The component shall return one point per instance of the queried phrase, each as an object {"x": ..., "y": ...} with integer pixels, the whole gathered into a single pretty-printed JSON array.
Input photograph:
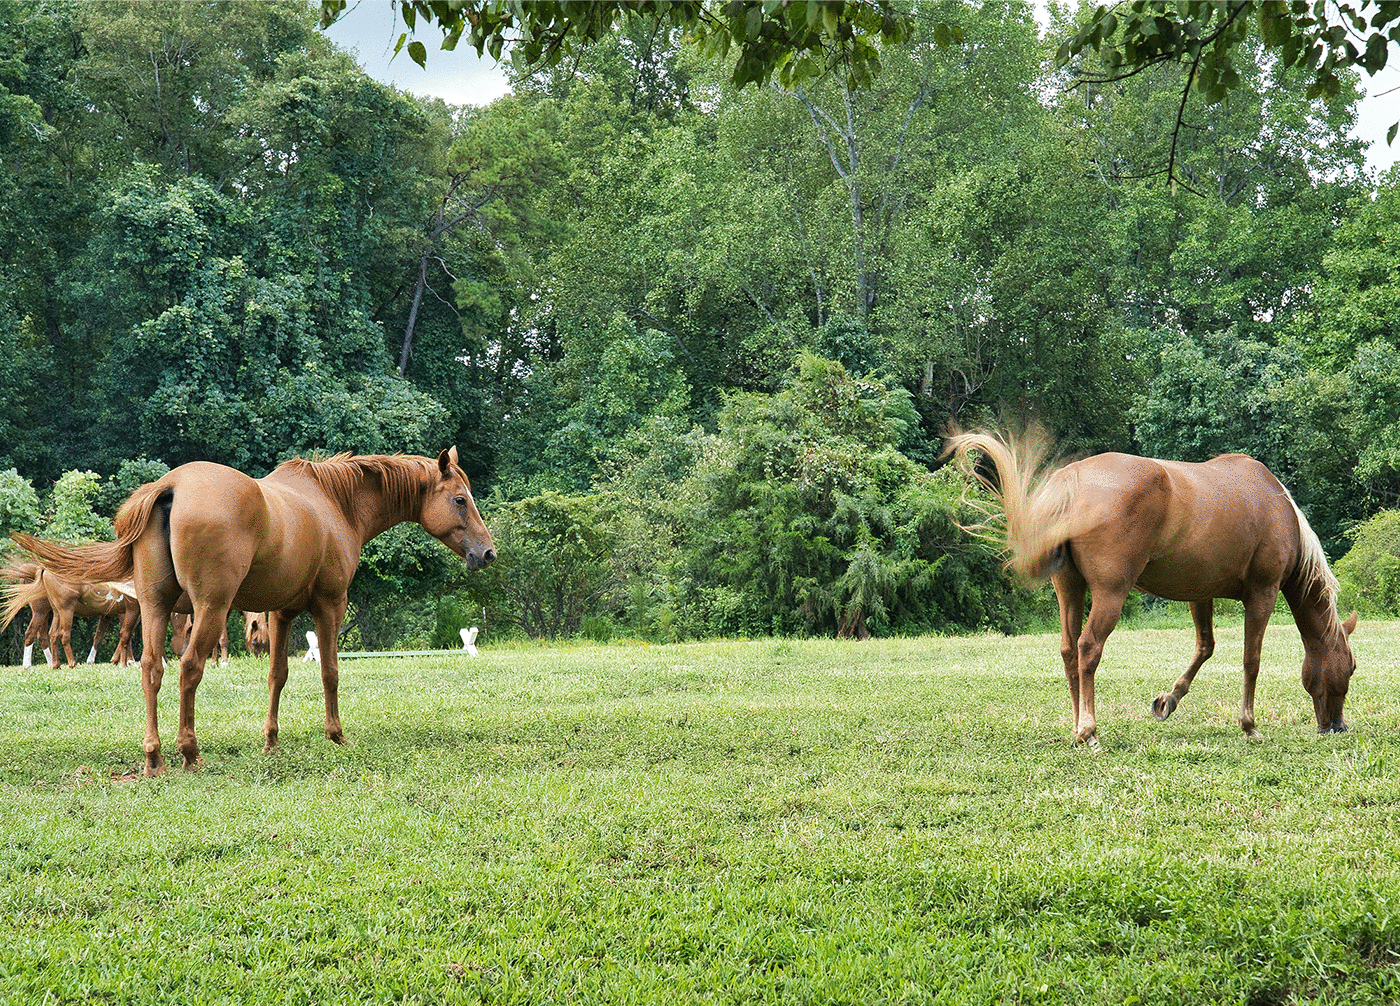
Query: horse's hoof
[
  {"x": 1253, "y": 734},
  {"x": 1163, "y": 706}
]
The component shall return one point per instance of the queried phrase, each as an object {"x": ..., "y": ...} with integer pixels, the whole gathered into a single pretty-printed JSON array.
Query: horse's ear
[
  {"x": 447, "y": 460},
  {"x": 1350, "y": 624}
]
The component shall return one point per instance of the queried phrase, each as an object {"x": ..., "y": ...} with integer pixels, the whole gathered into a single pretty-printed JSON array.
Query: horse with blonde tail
[
  {"x": 214, "y": 538},
  {"x": 1187, "y": 532}
]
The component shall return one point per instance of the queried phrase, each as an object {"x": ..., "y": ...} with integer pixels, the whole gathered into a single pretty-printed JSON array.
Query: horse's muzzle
[{"x": 480, "y": 560}]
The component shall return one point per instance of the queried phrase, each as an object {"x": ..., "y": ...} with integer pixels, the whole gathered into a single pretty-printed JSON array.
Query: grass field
[{"x": 739, "y": 822}]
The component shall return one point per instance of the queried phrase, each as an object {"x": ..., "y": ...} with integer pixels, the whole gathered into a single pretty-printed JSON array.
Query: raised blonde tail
[
  {"x": 1034, "y": 517},
  {"x": 18, "y": 596}
]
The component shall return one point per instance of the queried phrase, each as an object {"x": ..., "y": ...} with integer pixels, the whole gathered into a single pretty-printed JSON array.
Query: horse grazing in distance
[
  {"x": 1183, "y": 531},
  {"x": 255, "y": 633},
  {"x": 40, "y": 614},
  {"x": 70, "y": 599},
  {"x": 180, "y": 626},
  {"x": 286, "y": 543}
]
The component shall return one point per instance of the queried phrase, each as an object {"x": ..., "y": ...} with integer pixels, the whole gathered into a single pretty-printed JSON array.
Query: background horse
[
  {"x": 70, "y": 599},
  {"x": 180, "y": 626},
  {"x": 255, "y": 633},
  {"x": 286, "y": 543},
  {"x": 1188, "y": 532},
  {"x": 40, "y": 614}
]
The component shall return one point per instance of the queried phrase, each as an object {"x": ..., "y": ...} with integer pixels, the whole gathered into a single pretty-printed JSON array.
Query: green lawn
[{"x": 738, "y": 822}]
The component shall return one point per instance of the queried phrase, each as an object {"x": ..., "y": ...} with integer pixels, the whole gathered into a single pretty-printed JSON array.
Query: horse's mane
[
  {"x": 1312, "y": 560},
  {"x": 402, "y": 477}
]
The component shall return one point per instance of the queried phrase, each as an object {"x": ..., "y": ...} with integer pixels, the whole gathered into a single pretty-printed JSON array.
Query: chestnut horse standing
[
  {"x": 1187, "y": 532},
  {"x": 286, "y": 543}
]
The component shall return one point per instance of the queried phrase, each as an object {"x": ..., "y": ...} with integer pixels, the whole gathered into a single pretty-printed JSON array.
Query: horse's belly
[{"x": 1194, "y": 580}]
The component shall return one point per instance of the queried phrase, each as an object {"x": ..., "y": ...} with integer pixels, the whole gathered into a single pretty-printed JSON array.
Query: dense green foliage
[
  {"x": 696, "y": 342},
  {"x": 766, "y": 822}
]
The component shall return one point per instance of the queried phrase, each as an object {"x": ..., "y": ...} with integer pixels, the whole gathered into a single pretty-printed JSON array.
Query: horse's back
[
  {"x": 265, "y": 539},
  {"x": 1195, "y": 529}
]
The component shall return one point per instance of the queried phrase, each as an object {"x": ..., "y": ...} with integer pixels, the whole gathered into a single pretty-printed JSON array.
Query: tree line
[{"x": 697, "y": 343}]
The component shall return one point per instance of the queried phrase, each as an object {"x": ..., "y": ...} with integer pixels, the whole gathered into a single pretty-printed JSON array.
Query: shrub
[{"x": 1370, "y": 573}]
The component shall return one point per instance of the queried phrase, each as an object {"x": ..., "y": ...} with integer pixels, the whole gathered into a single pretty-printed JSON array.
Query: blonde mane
[{"x": 1312, "y": 560}]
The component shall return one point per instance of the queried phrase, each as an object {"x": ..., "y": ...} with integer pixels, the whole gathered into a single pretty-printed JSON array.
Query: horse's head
[
  {"x": 1327, "y": 670},
  {"x": 449, "y": 514},
  {"x": 255, "y": 635}
]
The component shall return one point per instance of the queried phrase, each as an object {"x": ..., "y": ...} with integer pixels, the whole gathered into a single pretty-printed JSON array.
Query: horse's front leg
[
  {"x": 1257, "y": 609},
  {"x": 279, "y": 630},
  {"x": 328, "y": 618},
  {"x": 1202, "y": 615}
]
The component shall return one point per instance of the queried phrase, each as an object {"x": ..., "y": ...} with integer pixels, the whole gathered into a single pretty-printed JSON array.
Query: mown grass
[{"x": 738, "y": 822}]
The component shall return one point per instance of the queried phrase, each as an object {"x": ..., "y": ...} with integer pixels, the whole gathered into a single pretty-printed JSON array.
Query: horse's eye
[{"x": 460, "y": 500}]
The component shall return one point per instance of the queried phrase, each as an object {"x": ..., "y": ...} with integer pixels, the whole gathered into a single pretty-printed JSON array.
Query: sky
[{"x": 369, "y": 29}]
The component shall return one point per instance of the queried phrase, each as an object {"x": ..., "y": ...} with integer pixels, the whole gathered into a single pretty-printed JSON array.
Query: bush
[{"x": 1370, "y": 573}]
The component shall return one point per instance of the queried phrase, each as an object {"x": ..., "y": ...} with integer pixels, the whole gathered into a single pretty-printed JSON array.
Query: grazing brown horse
[
  {"x": 70, "y": 599},
  {"x": 255, "y": 633},
  {"x": 40, "y": 614},
  {"x": 1187, "y": 532},
  {"x": 286, "y": 543},
  {"x": 180, "y": 626}
]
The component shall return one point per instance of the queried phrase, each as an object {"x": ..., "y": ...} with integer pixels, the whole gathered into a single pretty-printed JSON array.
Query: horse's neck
[
  {"x": 375, "y": 509},
  {"x": 1314, "y": 612}
]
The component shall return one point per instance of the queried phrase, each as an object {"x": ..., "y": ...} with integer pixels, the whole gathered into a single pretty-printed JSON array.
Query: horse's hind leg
[
  {"x": 154, "y": 621},
  {"x": 204, "y": 637},
  {"x": 62, "y": 632},
  {"x": 1202, "y": 614},
  {"x": 154, "y": 577},
  {"x": 1069, "y": 592},
  {"x": 97, "y": 635},
  {"x": 1103, "y": 618}
]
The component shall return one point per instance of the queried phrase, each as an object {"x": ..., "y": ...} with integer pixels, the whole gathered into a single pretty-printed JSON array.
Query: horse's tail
[
  {"x": 1034, "y": 518},
  {"x": 17, "y": 571},
  {"x": 104, "y": 560},
  {"x": 19, "y": 596}
]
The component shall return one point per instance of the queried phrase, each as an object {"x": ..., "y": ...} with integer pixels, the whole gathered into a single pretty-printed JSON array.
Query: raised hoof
[{"x": 1163, "y": 706}]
